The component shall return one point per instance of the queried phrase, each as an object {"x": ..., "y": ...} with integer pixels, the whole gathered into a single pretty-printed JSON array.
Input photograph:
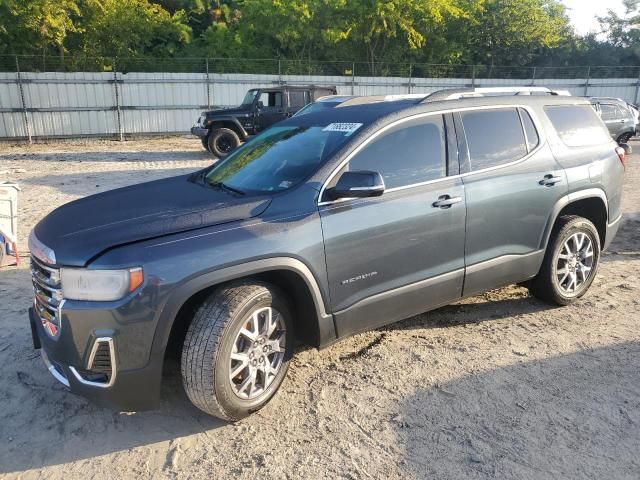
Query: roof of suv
[{"x": 370, "y": 112}]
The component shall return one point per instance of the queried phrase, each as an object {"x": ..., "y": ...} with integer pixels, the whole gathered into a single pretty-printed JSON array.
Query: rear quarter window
[{"x": 577, "y": 125}]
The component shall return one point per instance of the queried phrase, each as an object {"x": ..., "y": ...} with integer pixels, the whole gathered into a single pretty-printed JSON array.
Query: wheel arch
[
  {"x": 590, "y": 203},
  {"x": 314, "y": 326},
  {"x": 229, "y": 122}
]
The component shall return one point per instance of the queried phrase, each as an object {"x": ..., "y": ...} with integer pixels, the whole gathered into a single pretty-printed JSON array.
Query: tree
[
  {"x": 387, "y": 31},
  {"x": 623, "y": 33},
  {"x": 515, "y": 32},
  {"x": 131, "y": 28},
  {"x": 37, "y": 26}
]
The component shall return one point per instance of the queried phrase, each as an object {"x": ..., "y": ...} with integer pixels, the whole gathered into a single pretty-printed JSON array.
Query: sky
[{"x": 583, "y": 12}]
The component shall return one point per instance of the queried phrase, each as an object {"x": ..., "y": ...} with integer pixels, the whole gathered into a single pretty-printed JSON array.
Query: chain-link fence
[{"x": 44, "y": 97}]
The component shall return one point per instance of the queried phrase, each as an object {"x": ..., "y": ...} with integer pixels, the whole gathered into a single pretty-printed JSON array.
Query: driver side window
[
  {"x": 409, "y": 153},
  {"x": 271, "y": 99}
]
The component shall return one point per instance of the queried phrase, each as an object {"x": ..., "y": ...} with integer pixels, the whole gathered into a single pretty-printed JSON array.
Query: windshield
[
  {"x": 278, "y": 158},
  {"x": 249, "y": 96}
]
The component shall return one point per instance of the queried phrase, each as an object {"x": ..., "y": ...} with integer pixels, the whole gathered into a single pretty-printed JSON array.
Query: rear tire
[
  {"x": 570, "y": 263},
  {"x": 222, "y": 141},
  {"x": 624, "y": 138},
  {"x": 228, "y": 345}
]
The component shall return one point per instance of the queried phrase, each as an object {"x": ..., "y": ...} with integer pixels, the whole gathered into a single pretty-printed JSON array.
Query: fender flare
[
  {"x": 567, "y": 200},
  {"x": 185, "y": 290},
  {"x": 228, "y": 118}
]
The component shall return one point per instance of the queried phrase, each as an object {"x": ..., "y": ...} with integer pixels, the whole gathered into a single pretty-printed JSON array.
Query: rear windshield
[
  {"x": 280, "y": 157},
  {"x": 577, "y": 125}
]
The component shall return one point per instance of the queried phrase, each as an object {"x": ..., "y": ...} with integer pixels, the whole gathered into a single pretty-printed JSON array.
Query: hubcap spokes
[
  {"x": 257, "y": 353},
  {"x": 575, "y": 262}
]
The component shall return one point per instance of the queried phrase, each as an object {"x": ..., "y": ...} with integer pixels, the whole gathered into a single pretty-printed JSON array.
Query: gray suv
[
  {"x": 618, "y": 116},
  {"x": 323, "y": 226}
]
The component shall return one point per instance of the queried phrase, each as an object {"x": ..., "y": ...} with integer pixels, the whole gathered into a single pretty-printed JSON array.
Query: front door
[
  {"x": 400, "y": 254},
  {"x": 512, "y": 182},
  {"x": 271, "y": 108}
]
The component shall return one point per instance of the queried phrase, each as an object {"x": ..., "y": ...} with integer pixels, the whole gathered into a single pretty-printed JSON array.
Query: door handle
[
  {"x": 550, "y": 180},
  {"x": 446, "y": 201}
]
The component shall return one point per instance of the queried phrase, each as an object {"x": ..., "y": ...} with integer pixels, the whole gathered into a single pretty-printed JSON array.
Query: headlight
[{"x": 99, "y": 285}]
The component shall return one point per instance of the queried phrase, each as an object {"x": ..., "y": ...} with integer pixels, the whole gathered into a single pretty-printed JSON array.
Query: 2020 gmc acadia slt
[{"x": 320, "y": 227}]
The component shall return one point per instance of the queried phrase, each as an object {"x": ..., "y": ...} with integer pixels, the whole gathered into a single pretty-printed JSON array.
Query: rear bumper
[
  {"x": 612, "y": 229},
  {"x": 199, "y": 131},
  {"x": 130, "y": 390}
]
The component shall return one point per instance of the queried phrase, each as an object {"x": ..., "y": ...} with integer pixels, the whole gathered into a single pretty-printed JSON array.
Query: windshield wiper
[{"x": 223, "y": 186}]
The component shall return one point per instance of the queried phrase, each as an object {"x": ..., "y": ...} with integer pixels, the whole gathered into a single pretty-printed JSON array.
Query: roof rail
[
  {"x": 362, "y": 99},
  {"x": 458, "y": 93}
]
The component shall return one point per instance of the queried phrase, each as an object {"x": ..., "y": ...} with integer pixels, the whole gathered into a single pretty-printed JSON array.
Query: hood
[
  {"x": 82, "y": 229},
  {"x": 240, "y": 110}
]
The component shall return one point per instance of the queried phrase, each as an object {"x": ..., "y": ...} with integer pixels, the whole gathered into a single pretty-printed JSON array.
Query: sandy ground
[{"x": 496, "y": 386}]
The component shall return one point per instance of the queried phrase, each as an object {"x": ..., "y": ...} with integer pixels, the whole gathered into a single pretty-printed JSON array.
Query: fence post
[
  {"x": 353, "y": 78},
  {"x": 637, "y": 88},
  {"x": 206, "y": 60},
  {"x": 25, "y": 116},
  {"x": 473, "y": 76},
  {"x": 117, "y": 93},
  {"x": 533, "y": 77},
  {"x": 279, "y": 72},
  {"x": 586, "y": 82},
  {"x": 410, "y": 77}
]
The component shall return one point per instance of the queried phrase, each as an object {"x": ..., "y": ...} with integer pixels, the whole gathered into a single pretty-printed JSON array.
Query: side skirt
[
  {"x": 399, "y": 303},
  {"x": 500, "y": 271}
]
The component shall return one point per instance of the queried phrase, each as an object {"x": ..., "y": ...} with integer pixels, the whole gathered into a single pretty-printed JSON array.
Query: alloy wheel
[
  {"x": 257, "y": 353},
  {"x": 574, "y": 263}
]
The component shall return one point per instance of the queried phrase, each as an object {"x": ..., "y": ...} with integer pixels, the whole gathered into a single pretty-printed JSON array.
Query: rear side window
[
  {"x": 577, "y": 125},
  {"x": 412, "y": 152},
  {"x": 494, "y": 137},
  {"x": 529, "y": 129}
]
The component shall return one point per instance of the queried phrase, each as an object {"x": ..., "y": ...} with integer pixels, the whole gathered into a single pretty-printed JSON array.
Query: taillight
[{"x": 621, "y": 152}]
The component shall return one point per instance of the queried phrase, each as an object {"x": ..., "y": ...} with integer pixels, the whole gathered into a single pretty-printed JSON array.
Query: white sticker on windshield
[{"x": 346, "y": 128}]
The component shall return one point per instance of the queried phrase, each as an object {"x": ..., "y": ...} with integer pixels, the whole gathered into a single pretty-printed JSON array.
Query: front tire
[
  {"x": 570, "y": 263},
  {"x": 237, "y": 350},
  {"x": 222, "y": 141}
]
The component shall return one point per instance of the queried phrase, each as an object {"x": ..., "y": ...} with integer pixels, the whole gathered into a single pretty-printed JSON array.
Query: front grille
[{"x": 48, "y": 295}]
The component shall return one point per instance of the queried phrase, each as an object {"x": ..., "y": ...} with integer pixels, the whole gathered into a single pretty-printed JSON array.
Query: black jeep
[{"x": 222, "y": 130}]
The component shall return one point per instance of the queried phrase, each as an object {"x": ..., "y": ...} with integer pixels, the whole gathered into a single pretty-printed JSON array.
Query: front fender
[
  {"x": 228, "y": 119},
  {"x": 186, "y": 290}
]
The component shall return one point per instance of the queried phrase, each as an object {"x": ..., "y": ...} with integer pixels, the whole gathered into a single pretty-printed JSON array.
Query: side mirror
[
  {"x": 260, "y": 105},
  {"x": 359, "y": 184}
]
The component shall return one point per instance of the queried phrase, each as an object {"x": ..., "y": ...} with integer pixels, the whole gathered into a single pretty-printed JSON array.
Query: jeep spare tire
[{"x": 222, "y": 141}]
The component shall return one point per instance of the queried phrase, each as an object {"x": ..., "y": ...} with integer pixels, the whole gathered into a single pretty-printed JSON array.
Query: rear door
[
  {"x": 512, "y": 183},
  {"x": 396, "y": 255}
]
